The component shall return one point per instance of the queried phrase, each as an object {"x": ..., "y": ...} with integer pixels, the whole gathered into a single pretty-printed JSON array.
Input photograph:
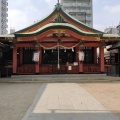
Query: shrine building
[{"x": 57, "y": 44}]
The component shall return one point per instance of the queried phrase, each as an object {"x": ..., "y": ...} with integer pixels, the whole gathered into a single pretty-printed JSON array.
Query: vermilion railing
[
  {"x": 91, "y": 69},
  {"x": 26, "y": 69}
]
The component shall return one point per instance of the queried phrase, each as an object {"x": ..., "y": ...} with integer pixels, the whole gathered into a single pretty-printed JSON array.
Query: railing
[
  {"x": 52, "y": 69},
  {"x": 91, "y": 69},
  {"x": 26, "y": 69}
]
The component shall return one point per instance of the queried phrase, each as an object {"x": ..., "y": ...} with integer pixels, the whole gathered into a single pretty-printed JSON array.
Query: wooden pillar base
[{"x": 80, "y": 67}]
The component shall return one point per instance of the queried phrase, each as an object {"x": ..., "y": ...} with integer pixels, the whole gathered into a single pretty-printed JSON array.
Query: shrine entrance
[
  {"x": 50, "y": 58},
  {"x": 60, "y": 45}
]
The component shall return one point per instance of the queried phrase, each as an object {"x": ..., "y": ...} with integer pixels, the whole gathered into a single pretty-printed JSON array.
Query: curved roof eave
[
  {"x": 80, "y": 23},
  {"x": 38, "y": 22},
  {"x": 59, "y": 8},
  {"x": 58, "y": 25}
]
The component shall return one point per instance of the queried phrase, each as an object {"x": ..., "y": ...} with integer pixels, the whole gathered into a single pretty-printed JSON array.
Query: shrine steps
[{"x": 61, "y": 78}]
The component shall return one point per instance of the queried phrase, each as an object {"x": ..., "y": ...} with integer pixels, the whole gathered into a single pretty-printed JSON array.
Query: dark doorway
[{"x": 51, "y": 56}]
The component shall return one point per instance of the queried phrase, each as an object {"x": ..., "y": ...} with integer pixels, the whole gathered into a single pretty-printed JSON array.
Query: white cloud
[
  {"x": 23, "y": 13},
  {"x": 100, "y": 27},
  {"x": 48, "y": 1},
  {"x": 113, "y": 9},
  {"x": 17, "y": 19}
]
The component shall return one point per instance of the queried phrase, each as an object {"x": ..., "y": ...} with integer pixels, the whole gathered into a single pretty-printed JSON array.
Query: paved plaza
[{"x": 66, "y": 101}]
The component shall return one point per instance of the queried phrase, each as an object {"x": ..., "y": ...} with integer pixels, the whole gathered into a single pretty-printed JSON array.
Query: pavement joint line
[{"x": 39, "y": 93}]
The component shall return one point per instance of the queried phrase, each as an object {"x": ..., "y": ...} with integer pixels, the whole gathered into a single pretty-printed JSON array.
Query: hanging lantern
[{"x": 81, "y": 55}]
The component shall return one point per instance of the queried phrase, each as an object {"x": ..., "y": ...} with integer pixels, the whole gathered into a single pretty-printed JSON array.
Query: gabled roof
[
  {"x": 60, "y": 26},
  {"x": 58, "y": 8},
  {"x": 58, "y": 19}
]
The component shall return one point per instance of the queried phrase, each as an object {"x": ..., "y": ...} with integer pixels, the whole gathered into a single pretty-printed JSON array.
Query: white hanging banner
[
  {"x": 69, "y": 67},
  {"x": 81, "y": 55},
  {"x": 36, "y": 56}
]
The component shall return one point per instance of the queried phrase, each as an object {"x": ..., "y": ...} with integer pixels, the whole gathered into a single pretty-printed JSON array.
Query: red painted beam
[
  {"x": 92, "y": 44},
  {"x": 26, "y": 38},
  {"x": 56, "y": 39},
  {"x": 40, "y": 36},
  {"x": 24, "y": 45},
  {"x": 83, "y": 38}
]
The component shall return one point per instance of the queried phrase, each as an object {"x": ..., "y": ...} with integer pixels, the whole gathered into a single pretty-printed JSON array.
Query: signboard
[
  {"x": 81, "y": 55},
  {"x": 75, "y": 63},
  {"x": 36, "y": 56},
  {"x": 69, "y": 67}
]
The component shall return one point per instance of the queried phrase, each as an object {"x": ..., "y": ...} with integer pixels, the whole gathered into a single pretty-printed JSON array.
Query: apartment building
[
  {"x": 3, "y": 16},
  {"x": 80, "y": 9}
]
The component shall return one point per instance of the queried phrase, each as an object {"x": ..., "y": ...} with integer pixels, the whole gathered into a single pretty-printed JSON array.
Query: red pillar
[
  {"x": 15, "y": 60},
  {"x": 101, "y": 59},
  {"x": 95, "y": 55},
  {"x": 21, "y": 56},
  {"x": 37, "y": 67},
  {"x": 76, "y": 58},
  {"x": 40, "y": 49},
  {"x": 80, "y": 64}
]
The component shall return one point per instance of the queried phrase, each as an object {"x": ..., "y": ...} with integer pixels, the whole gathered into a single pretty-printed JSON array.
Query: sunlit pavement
[{"x": 66, "y": 101}]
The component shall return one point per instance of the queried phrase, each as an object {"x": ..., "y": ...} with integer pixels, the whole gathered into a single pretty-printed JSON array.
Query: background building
[
  {"x": 111, "y": 30},
  {"x": 3, "y": 16},
  {"x": 80, "y": 9},
  {"x": 113, "y": 52},
  {"x": 118, "y": 27},
  {"x": 12, "y": 30}
]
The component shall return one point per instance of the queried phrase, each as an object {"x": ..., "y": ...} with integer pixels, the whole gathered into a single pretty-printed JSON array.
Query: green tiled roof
[{"x": 60, "y": 26}]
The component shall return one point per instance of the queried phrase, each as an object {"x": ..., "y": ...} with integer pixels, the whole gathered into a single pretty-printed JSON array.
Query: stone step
[
  {"x": 66, "y": 78},
  {"x": 61, "y": 79},
  {"x": 58, "y": 76}
]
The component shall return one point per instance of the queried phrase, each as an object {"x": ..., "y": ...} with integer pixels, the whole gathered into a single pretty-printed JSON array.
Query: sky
[{"x": 22, "y": 13}]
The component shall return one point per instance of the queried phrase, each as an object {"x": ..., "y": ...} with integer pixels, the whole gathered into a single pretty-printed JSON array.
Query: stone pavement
[{"x": 66, "y": 101}]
